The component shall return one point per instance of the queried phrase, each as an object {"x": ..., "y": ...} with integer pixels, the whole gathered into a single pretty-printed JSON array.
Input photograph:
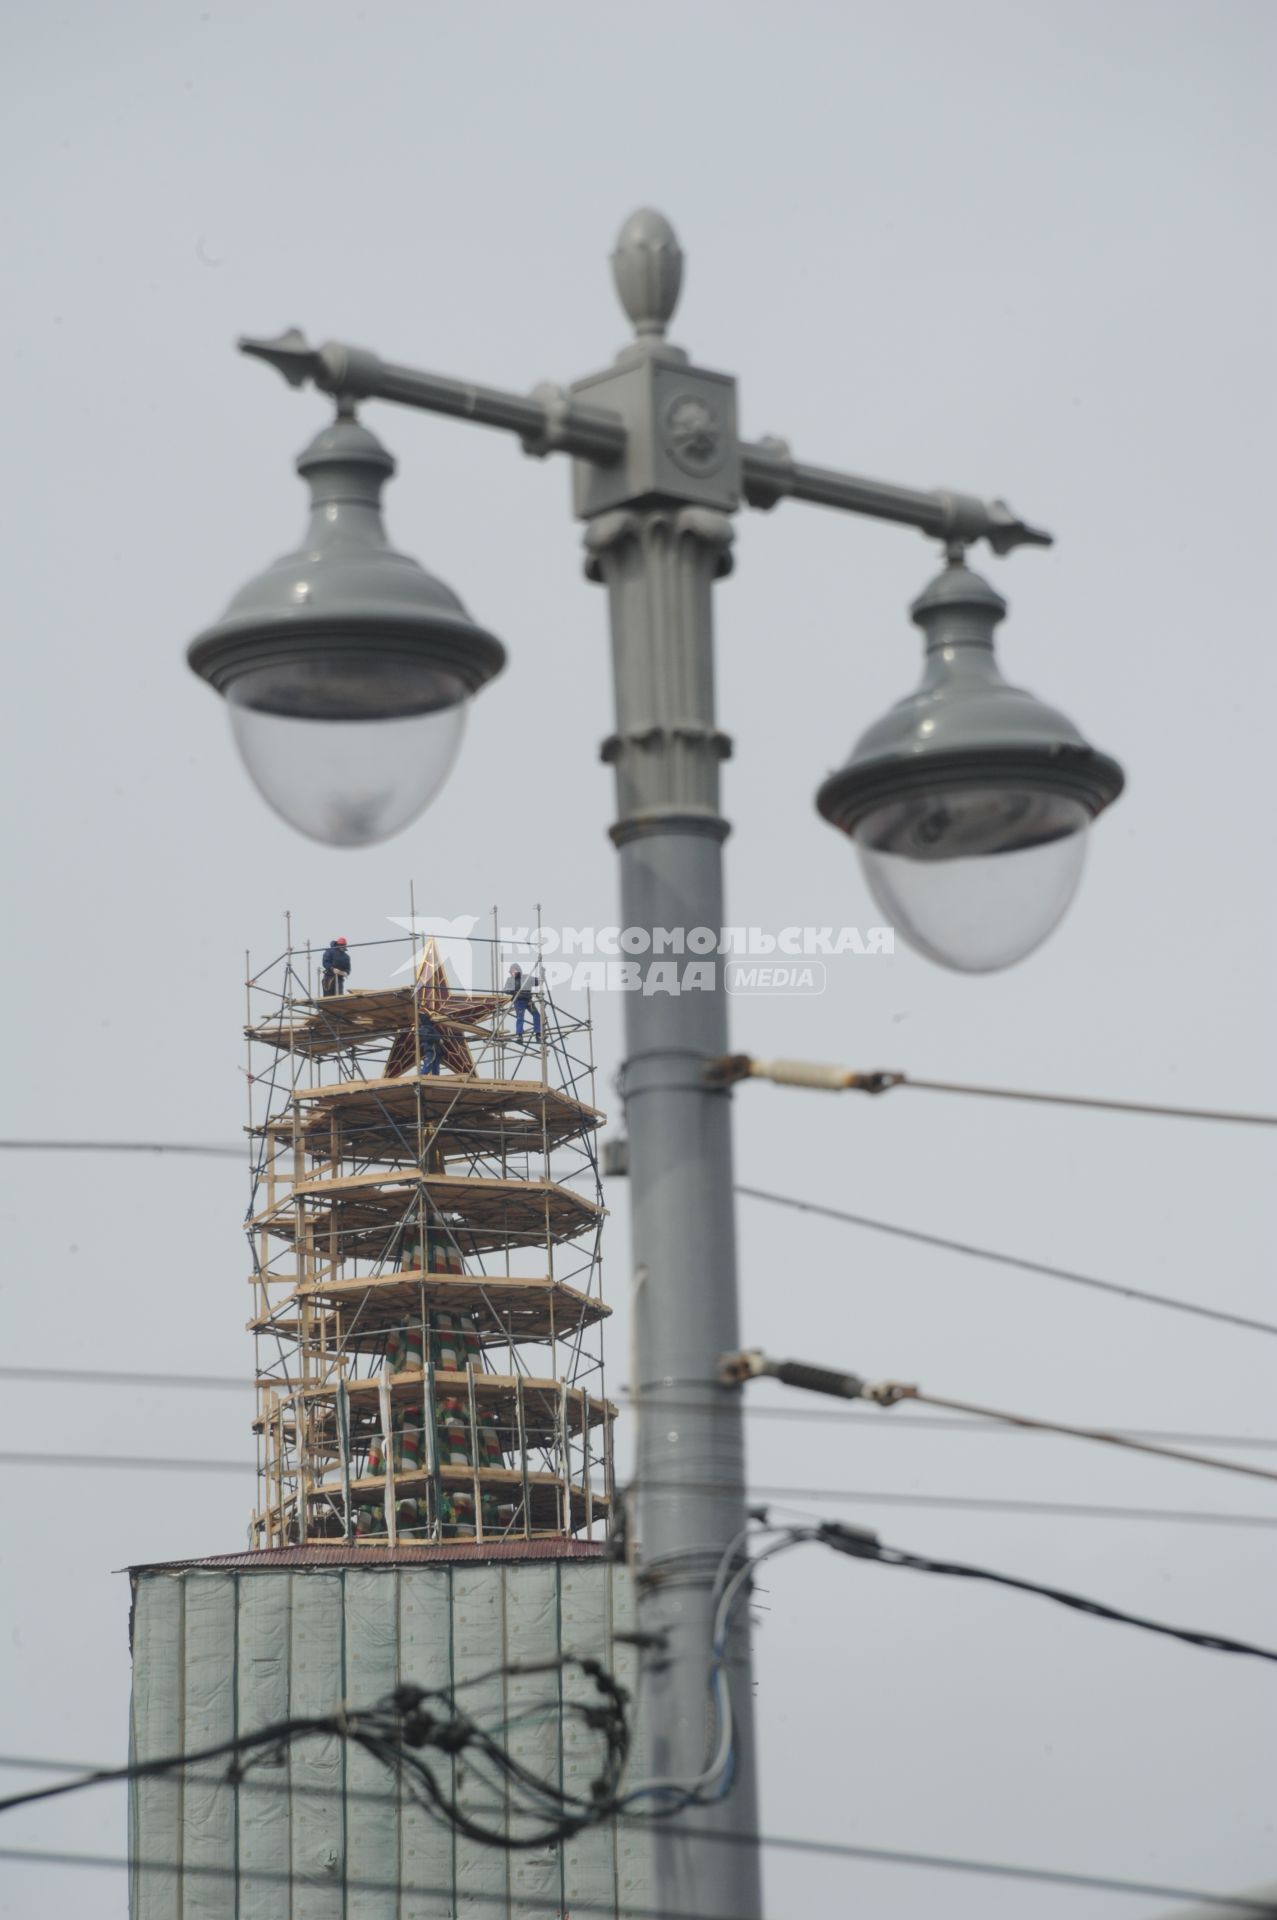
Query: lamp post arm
[
  {"x": 771, "y": 474},
  {"x": 547, "y": 421},
  {"x": 551, "y": 420}
]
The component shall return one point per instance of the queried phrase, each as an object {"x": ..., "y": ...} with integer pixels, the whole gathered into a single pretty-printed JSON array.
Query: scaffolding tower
[{"x": 425, "y": 1259}]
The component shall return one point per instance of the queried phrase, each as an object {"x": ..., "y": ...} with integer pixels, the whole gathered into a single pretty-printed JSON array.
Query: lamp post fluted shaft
[{"x": 659, "y": 566}]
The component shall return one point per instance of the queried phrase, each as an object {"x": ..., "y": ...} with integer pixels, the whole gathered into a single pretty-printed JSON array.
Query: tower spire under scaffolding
[{"x": 425, "y": 1240}]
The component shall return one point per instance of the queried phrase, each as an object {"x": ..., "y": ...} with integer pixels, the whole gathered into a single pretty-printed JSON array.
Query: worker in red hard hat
[{"x": 336, "y": 965}]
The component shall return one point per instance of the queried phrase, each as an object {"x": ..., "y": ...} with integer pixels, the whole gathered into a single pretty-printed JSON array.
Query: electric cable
[
  {"x": 739, "y": 1581},
  {"x": 1161, "y": 1112},
  {"x": 1039, "y": 1267},
  {"x": 126, "y": 1377},
  {"x": 551, "y": 1904},
  {"x": 731, "y": 1582},
  {"x": 815, "y": 1075},
  {"x": 860, "y": 1544},
  {"x": 121, "y": 1146},
  {"x": 939, "y": 1502},
  {"x": 1100, "y": 1435},
  {"x": 968, "y": 1503},
  {"x": 866, "y": 1546},
  {"x": 397, "y": 1729},
  {"x": 1259, "y": 1909},
  {"x": 237, "y": 1383},
  {"x": 931, "y": 1423},
  {"x": 127, "y": 1462},
  {"x": 735, "y": 1369},
  {"x": 781, "y": 1842},
  {"x": 944, "y": 1863},
  {"x": 715, "y": 1779}
]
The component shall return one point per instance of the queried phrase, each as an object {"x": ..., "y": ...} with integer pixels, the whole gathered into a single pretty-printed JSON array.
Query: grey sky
[{"x": 1010, "y": 248}]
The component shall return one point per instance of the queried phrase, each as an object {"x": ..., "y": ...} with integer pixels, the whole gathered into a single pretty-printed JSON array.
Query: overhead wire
[
  {"x": 883, "y": 1555},
  {"x": 734, "y": 1579},
  {"x": 736, "y": 1369},
  {"x": 130, "y": 1377},
  {"x": 125, "y": 1462},
  {"x": 387, "y": 1734},
  {"x": 973, "y": 1503},
  {"x": 1102, "y": 1436},
  {"x": 859, "y": 1543},
  {"x": 1042, "y": 1268},
  {"x": 781, "y": 1842},
  {"x": 1226, "y": 1116},
  {"x": 820, "y": 1076},
  {"x": 866, "y": 1546},
  {"x": 244, "y": 1384},
  {"x": 1259, "y": 1908},
  {"x": 932, "y": 1423},
  {"x": 398, "y": 1731},
  {"x": 939, "y": 1502},
  {"x": 951, "y": 1245},
  {"x": 121, "y": 1146}
]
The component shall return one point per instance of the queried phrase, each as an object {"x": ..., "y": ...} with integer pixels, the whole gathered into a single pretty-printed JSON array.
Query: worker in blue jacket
[
  {"x": 336, "y": 965},
  {"x": 521, "y": 988},
  {"x": 430, "y": 1040}
]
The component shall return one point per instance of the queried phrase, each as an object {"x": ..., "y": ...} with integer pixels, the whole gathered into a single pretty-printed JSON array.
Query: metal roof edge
[{"x": 409, "y": 1554}]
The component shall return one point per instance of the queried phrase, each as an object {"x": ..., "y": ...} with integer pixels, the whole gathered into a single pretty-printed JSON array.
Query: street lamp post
[{"x": 966, "y": 775}]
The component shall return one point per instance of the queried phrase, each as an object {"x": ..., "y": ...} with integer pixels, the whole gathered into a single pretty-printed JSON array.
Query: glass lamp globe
[
  {"x": 969, "y": 801},
  {"x": 361, "y": 760},
  {"x": 347, "y": 668}
]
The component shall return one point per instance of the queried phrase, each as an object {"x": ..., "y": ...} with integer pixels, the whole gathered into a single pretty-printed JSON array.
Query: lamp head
[
  {"x": 345, "y": 665},
  {"x": 969, "y": 800}
]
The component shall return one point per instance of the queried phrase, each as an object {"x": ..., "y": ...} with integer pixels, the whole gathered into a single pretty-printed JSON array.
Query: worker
[
  {"x": 430, "y": 1041},
  {"x": 336, "y": 965},
  {"x": 520, "y": 989}
]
